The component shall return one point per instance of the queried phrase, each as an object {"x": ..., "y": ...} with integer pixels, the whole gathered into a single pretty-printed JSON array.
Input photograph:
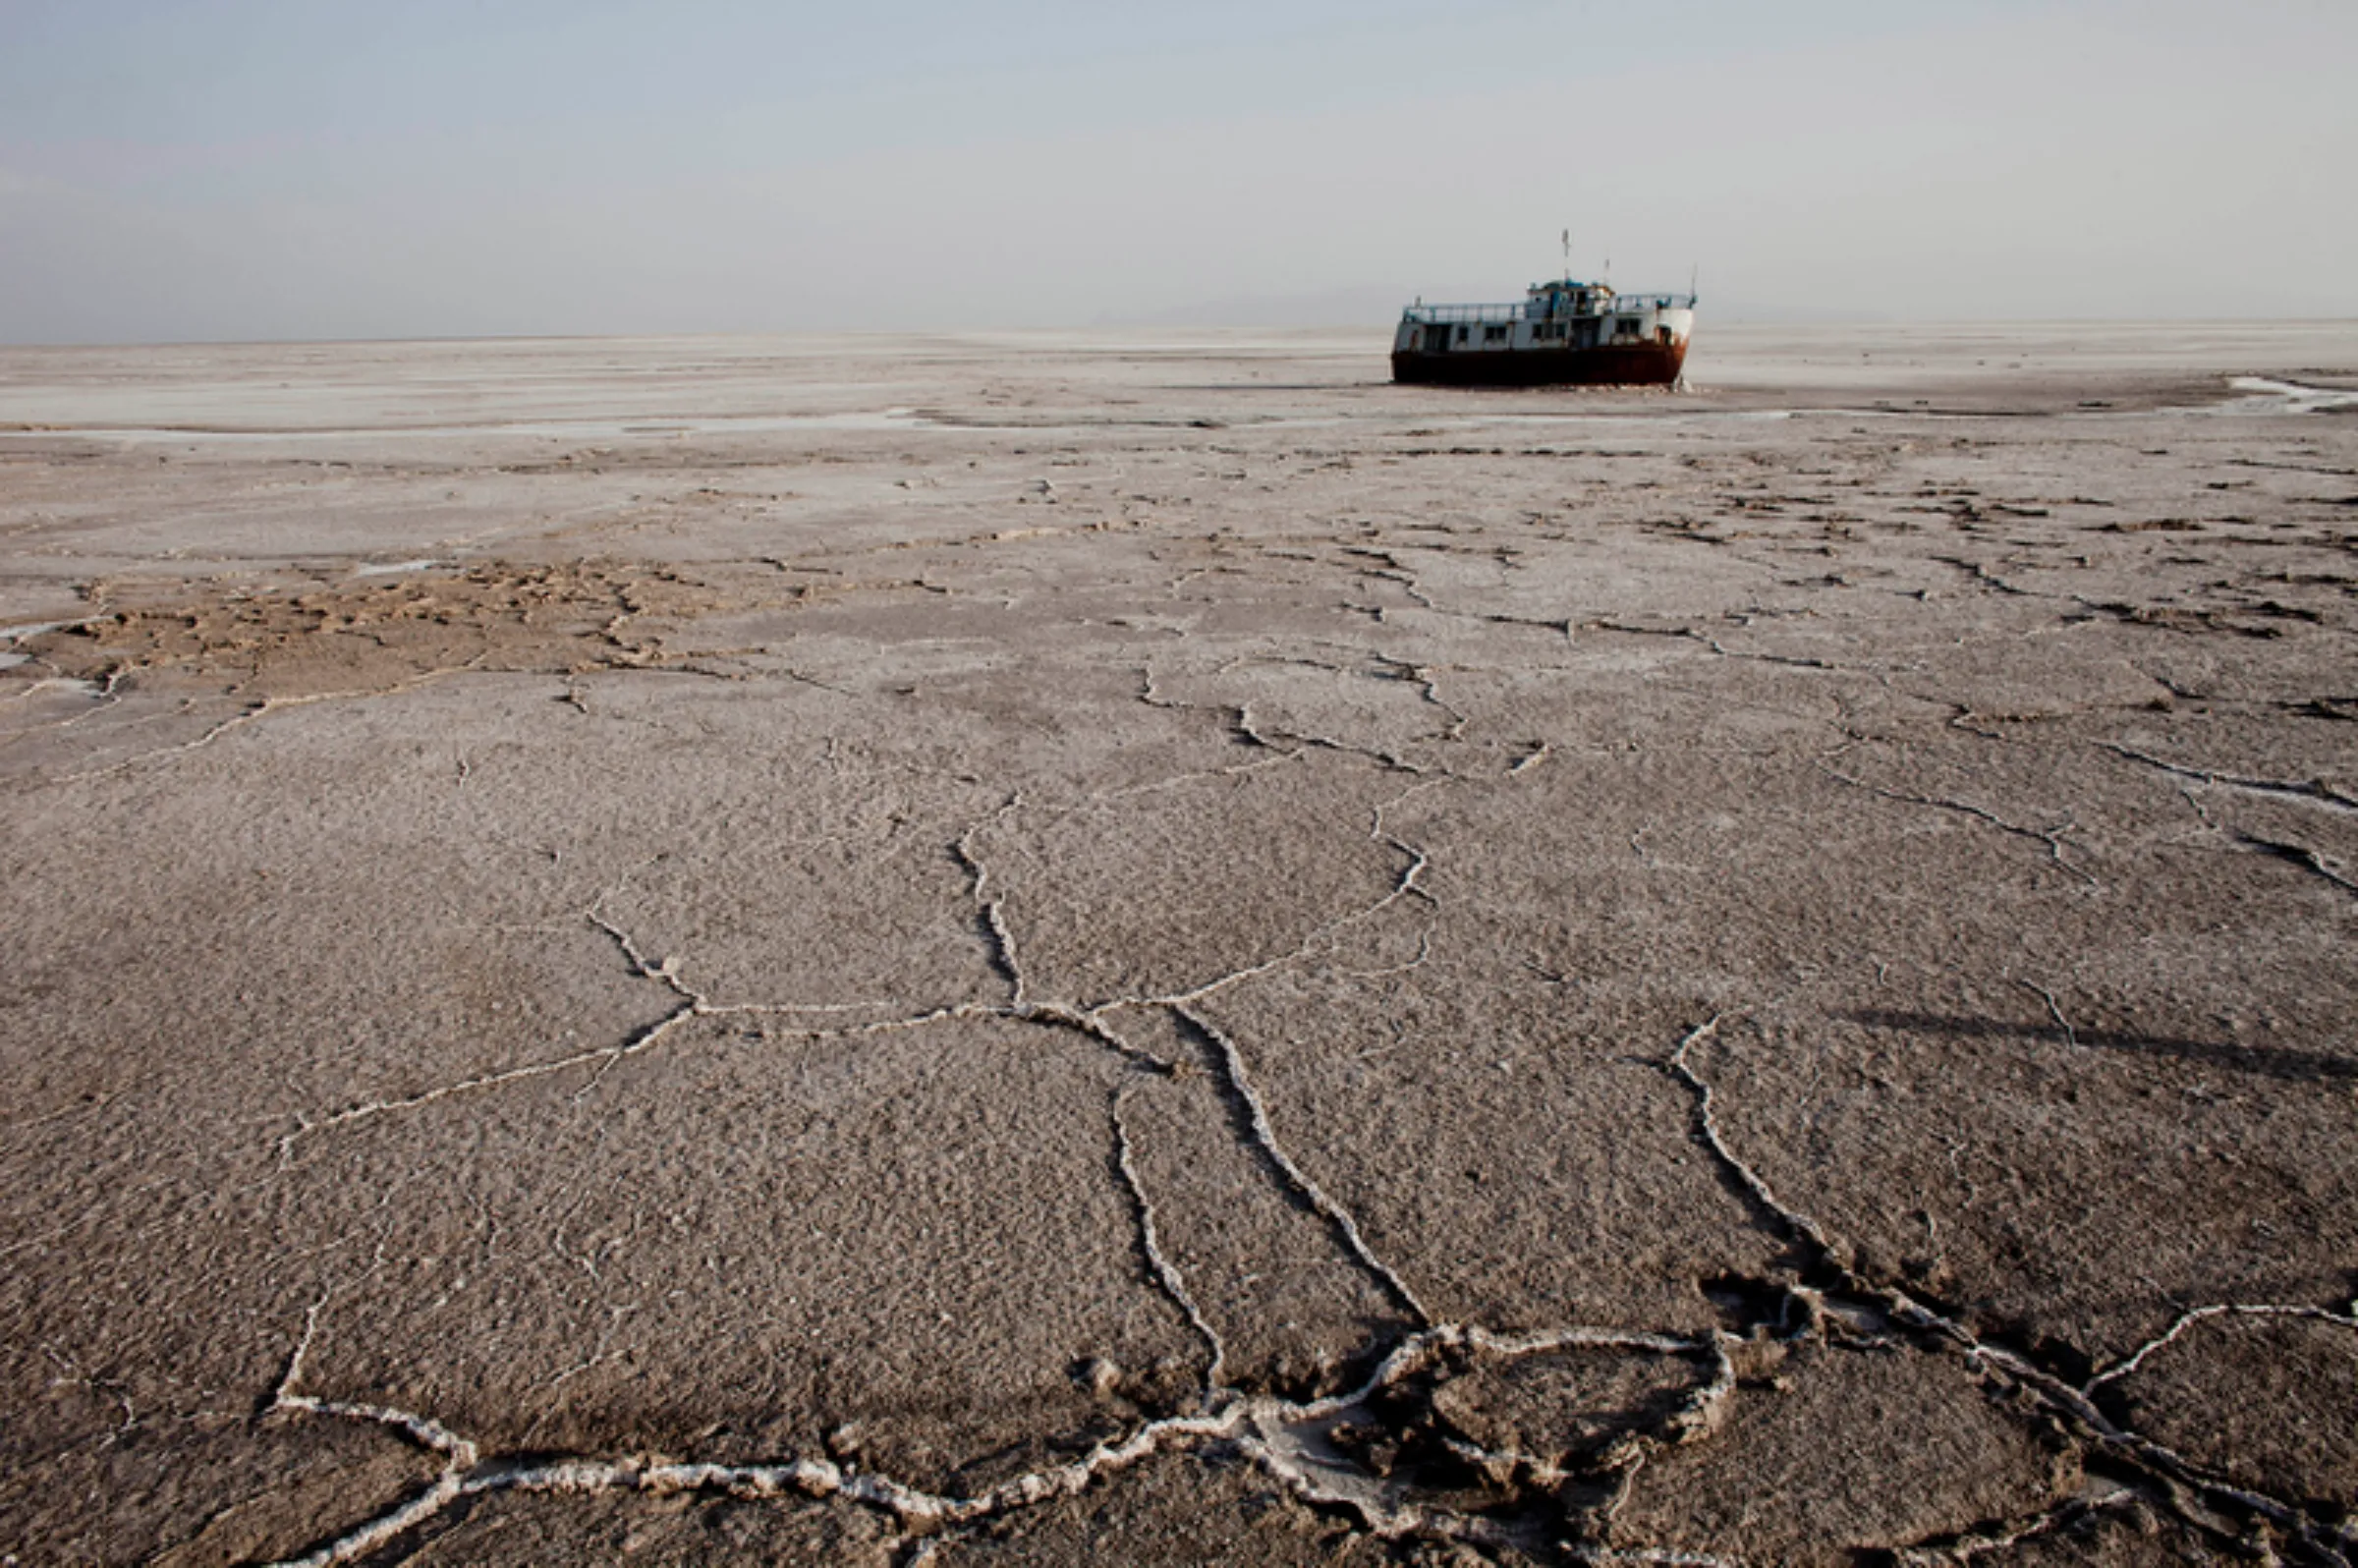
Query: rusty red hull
[{"x": 1613, "y": 365}]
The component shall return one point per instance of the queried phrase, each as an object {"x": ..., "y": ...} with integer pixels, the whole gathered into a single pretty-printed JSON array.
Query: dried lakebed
[{"x": 1157, "y": 951}]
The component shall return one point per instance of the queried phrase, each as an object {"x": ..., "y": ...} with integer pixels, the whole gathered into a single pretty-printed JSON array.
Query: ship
[{"x": 1564, "y": 333}]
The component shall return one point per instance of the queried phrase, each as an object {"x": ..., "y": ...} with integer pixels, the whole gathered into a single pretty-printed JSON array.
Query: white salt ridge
[
  {"x": 18, "y": 634},
  {"x": 2263, "y": 395},
  {"x": 568, "y": 430}
]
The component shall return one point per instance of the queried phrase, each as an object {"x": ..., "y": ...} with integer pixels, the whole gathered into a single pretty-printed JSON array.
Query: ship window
[
  {"x": 1461, "y": 334},
  {"x": 1493, "y": 334}
]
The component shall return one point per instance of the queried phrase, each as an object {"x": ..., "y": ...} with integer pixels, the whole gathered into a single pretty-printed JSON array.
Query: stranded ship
[{"x": 1567, "y": 333}]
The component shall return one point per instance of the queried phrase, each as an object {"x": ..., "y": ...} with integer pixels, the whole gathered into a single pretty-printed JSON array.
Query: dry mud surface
[{"x": 1106, "y": 949}]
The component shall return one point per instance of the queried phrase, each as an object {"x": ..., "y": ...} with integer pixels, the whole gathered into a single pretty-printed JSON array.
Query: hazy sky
[{"x": 303, "y": 168}]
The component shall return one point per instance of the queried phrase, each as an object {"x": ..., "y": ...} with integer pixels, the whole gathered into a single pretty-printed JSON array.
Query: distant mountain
[
  {"x": 1361, "y": 305},
  {"x": 1379, "y": 306},
  {"x": 1734, "y": 311}
]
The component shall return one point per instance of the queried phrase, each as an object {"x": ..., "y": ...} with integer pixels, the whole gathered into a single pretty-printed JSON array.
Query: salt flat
[{"x": 1147, "y": 948}]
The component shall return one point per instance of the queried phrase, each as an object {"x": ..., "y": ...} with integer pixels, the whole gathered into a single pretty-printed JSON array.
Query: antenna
[
  {"x": 1567, "y": 255},
  {"x": 1694, "y": 271}
]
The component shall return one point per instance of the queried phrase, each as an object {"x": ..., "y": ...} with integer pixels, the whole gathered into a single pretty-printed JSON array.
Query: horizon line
[{"x": 1116, "y": 329}]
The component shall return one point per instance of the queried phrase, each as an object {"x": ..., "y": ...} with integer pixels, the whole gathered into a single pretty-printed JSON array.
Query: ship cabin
[{"x": 1561, "y": 314}]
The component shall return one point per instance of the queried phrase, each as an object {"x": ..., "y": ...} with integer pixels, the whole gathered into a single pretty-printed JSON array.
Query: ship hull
[{"x": 1608, "y": 365}]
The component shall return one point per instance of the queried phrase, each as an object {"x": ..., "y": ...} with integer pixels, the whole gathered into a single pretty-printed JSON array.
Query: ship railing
[
  {"x": 1495, "y": 315},
  {"x": 1628, "y": 299},
  {"x": 1450, "y": 314}
]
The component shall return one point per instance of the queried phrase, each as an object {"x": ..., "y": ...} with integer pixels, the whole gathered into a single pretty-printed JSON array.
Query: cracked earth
[{"x": 1158, "y": 951}]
